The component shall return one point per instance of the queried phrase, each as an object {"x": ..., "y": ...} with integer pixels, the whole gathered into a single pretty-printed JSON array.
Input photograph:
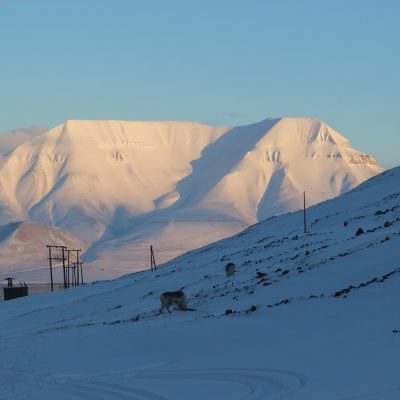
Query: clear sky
[{"x": 225, "y": 62}]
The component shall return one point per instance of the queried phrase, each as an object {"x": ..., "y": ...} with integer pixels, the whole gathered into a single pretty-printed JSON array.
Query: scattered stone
[
  {"x": 228, "y": 311},
  {"x": 381, "y": 212},
  {"x": 285, "y": 272},
  {"x": 359, "y": 232}
]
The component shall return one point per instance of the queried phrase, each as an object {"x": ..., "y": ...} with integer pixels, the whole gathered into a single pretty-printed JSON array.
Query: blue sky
[{"x": 225, "y": 62}]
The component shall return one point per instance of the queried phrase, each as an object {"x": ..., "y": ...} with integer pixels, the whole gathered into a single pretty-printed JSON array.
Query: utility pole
[
  {"x": 76, "y": 265},
  {"x": 68, "y": 268},
  {"x": 63, "y": 248},
  {"x": 51, "y": 269},
  {"x": 304, "y": 212},
  {"x": 80, "y": 264},
  {"x": 57, "y": 257},
  {"x": 73, "y": 277},
  {"x": 153, "y": 265}
]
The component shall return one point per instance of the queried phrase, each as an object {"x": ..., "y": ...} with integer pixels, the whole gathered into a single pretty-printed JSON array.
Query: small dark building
[{"x": 13, "y": 292}]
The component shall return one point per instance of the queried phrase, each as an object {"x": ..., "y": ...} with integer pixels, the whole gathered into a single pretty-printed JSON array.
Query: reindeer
[
  {"x": 169, "y": 298},
  {"x": 230, "y": 269}
]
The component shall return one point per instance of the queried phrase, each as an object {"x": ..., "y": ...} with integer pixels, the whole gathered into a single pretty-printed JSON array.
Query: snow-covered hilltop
[{"x": 119, "y": 186}]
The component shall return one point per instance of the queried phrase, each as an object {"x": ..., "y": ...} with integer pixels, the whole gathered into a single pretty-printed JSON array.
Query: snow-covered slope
[
  {"x": 9, "y": 140},
  {"x": 23, "y": 249},
  {"x": 79, "y": 174},
  {"x": 120, "y": 186},
  {"x": 306, "y": 317}
]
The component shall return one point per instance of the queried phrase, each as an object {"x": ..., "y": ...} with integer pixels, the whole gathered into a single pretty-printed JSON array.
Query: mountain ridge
[{"x": 120, "y": 184}]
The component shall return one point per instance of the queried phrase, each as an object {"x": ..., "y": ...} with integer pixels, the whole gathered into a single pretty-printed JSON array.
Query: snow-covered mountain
[
  {"x": 9, "y": 140},
  {"x": 23, "y": 248},
  {"x": 120, "y": 186},
  {"x": 306, "y": 317}
]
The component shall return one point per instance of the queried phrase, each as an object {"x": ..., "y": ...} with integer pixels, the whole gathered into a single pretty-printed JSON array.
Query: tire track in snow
[
  {"x": 22, "y": 385},
  {"x": 260, "y": 384},
  {"x": 118, "y": 391},
  {"x": 108, "y": 391},
  {"x": 373, "y": 395}
]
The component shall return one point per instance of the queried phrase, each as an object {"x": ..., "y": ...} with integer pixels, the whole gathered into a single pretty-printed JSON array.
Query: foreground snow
[{"x": 321, "y": 324}]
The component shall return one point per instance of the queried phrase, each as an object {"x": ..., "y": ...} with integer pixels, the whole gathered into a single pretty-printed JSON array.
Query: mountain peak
[
  {"x": 306, "y": 130},
  {"x": 119, "y": 184}
]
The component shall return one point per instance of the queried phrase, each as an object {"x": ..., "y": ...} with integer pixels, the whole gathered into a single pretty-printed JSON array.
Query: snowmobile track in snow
[{"x": 258, "y": 384}]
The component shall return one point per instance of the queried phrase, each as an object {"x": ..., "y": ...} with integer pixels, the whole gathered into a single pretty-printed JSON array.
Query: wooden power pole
[
  {"x": 153, "y": 265},
  {"x": 61, "y": 256},
  {"x": 51, "y": 269}
]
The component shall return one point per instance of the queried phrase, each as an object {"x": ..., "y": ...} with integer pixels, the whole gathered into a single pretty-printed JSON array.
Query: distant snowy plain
[{"x": 306, "y": 317}]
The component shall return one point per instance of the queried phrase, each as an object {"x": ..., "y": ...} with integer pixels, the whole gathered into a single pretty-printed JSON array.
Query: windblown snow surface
[
  {"x": 306, "y": 316},
  {"x": 118, "y": 187}
]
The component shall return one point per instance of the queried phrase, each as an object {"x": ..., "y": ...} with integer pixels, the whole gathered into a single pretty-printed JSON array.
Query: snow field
[{"x": 305, "y": 317}]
